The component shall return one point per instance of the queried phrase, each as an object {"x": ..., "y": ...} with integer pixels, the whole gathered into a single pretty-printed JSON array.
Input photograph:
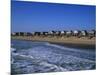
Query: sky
[{"x": 39, "y": 16}]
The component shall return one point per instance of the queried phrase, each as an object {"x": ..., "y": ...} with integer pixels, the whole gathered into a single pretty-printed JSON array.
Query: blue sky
[{"x": 37, "y": 16}]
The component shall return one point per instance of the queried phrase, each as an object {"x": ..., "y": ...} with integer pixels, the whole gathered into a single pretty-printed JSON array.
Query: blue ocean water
[{"x": 38, "y": 57}]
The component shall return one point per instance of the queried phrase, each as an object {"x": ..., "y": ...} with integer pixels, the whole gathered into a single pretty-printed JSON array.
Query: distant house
[
  {"x": 29, "y": 34},
  {"x": 57, "y": 33},
  {"x": 50, "y": 33},
  {"x": 33, "y": 33},
  {"x": 76, "y": 33},
  {"x": 45, "y": 33},
  {"x": 62, "y": 33},
  {"x": 83, "y": 33},
  {"x": 37, "y": 33},
  {"x": 94, "y": 32},
  {"x": 69, "y": 33},
  {"x": 21, "y": 33},
  {"x": 17, "y": 34},
  {"x": 53, "y": 33},
  {"x": 91, "y": 33},
  {"x": 13, "y": 34}
]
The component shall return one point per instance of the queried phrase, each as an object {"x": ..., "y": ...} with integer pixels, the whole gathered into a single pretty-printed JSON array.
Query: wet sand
[
  {"x": 73, "y": 42},
  {"x": 77, "y": 46}
]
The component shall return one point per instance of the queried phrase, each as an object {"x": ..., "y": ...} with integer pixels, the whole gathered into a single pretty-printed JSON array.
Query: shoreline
[
  {"x": 76, "y": 46},
  {"x": 72, "y": 42}
]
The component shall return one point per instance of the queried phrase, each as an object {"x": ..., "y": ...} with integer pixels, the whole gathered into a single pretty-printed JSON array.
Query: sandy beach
[{"x": 71, "y": 41}]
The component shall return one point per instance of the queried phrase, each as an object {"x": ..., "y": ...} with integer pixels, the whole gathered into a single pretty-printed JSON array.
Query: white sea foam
[
  {"x": 44, "y": 66},
  {"x": 45, "y": 58},
  {"x": 42, "y": 52},
  {"x": 13, "y": 49}
]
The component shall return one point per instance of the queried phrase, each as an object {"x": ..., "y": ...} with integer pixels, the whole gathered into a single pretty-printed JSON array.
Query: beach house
[
  {"x": 37, "y": 33},
  {"x": 91, "y": 34},
  {"x": 83, "y": 33},
  {"x": 69, "y": 33},
  {"x": 28, "y": 34},
  {"x": 57, "y": 33},
  {"x": 76, "y": 33},
  {"x": 13, "y": 34},
  {"x": 17, "y": 33},
  {"x": 45, "y": 33}
]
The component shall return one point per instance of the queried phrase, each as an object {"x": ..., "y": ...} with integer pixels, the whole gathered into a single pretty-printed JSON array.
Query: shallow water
[{"x": 37, "y": 57}]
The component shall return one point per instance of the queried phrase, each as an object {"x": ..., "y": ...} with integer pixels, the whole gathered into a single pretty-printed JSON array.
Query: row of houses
[{"x": 76, "y": 33}]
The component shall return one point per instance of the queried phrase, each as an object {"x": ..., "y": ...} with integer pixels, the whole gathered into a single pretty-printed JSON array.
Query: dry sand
[{"x": 65, "y": 40}]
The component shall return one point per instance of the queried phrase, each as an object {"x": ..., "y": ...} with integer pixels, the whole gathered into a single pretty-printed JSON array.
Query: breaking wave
[{"x": 49, "y": 58}]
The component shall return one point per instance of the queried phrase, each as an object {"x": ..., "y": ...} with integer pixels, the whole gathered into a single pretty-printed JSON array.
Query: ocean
[{"x": 40, "y": 57}]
